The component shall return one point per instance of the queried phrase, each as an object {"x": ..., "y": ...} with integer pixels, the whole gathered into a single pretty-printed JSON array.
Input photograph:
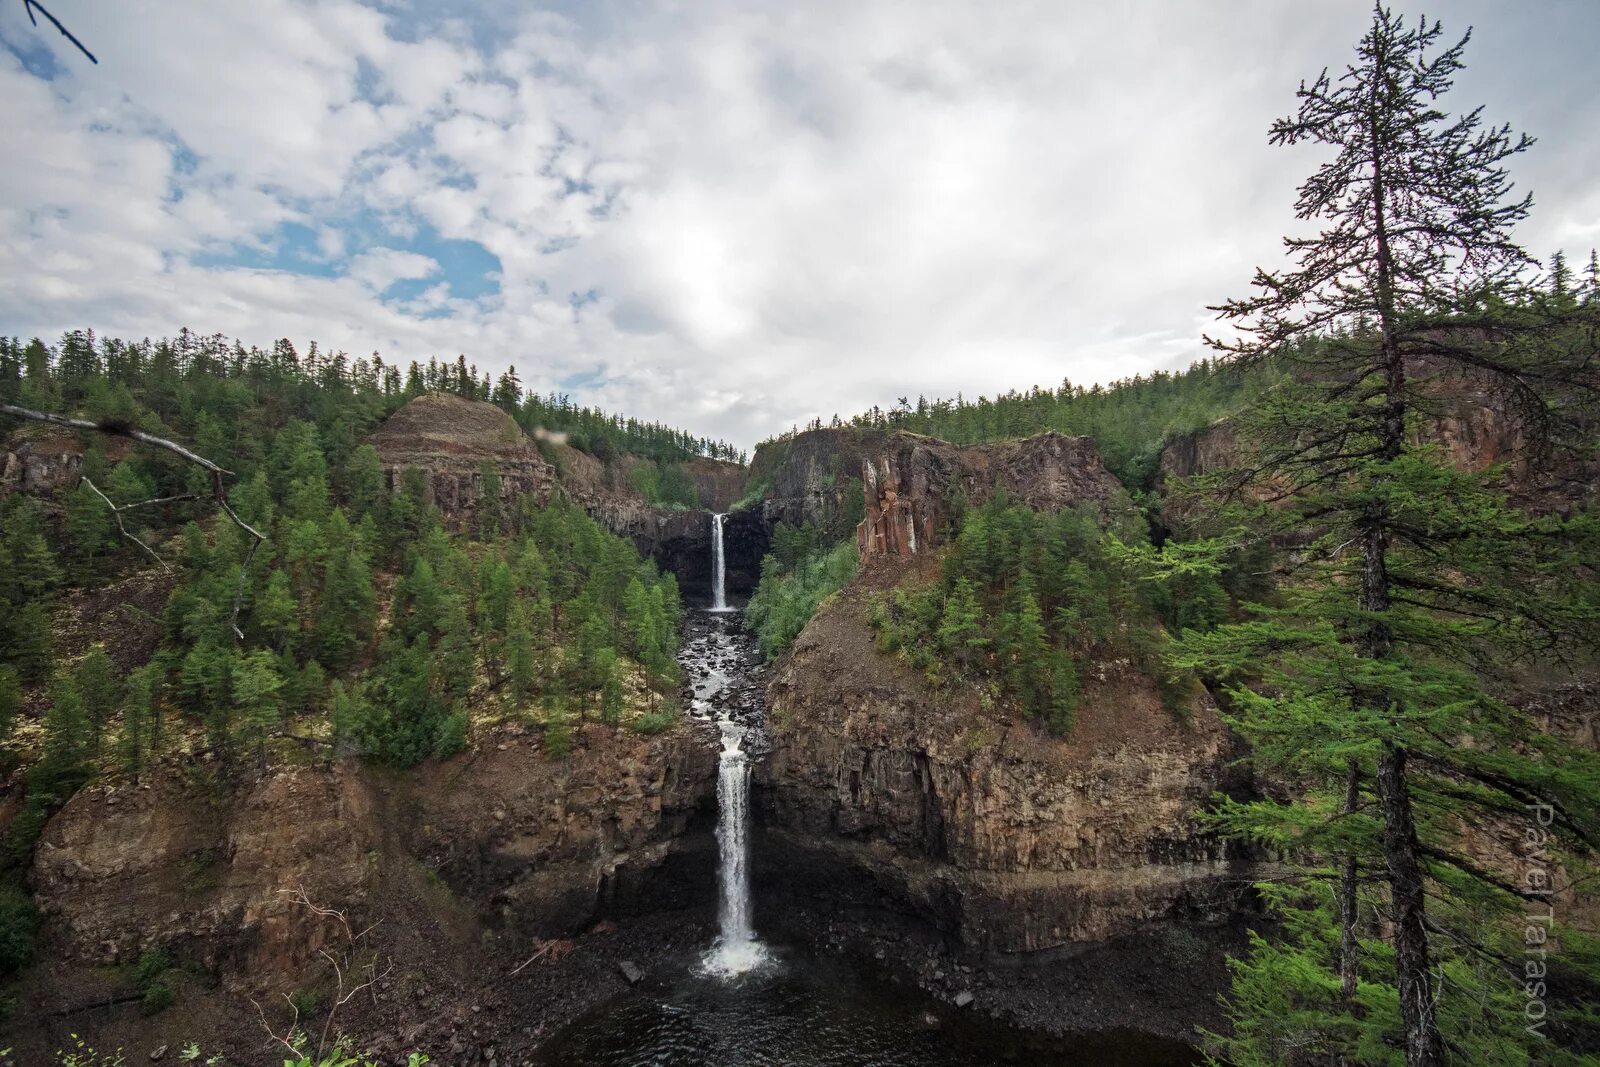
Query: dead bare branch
[
  {"x": 219, "y": 495},
  {"x": 30, "y": 6}
]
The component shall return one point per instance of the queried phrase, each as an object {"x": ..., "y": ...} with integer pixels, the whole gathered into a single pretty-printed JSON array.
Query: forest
[
  {"x": 362, "y": 625},
  {"x": 1378, "y": 600}
]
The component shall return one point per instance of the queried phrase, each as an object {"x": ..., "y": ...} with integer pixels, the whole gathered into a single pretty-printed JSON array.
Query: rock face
[
  {"x": 907, "y": 482},
  {"x": 679, "y": 540},
  {"x": 451, "y": 438},
  {"x": 890, "y": 801},
  {"x": 1475, "y": 429},
  {"x": 718, "y": 483},
  {"x": 512, "y": 839},
  {"x": 910, "y": 483},
  {"x": 811, "y": 478},
  {"x": 47, "y": 460}
]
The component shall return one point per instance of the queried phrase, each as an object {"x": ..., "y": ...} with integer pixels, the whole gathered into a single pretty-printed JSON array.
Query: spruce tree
[
  {"x": 1416, "y": 580},
  {"x": 961, "y": 630},
  {"x": 100, "y": 691}
]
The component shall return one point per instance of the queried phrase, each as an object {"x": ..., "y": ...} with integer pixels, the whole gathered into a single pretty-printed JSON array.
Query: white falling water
[
  {"x": 719, "y": 570},
  {"x": 737, "y": 949}
]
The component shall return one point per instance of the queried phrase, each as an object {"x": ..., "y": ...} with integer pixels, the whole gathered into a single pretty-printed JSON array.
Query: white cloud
[
  {"x": 379, "y": 268},
  {"x": 779, "y": 212}
]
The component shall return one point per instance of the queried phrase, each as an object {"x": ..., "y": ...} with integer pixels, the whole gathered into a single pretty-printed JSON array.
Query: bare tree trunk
[
  {"x": 1423, "y": 1042},
  {"x": 1424, "y": 1046}
]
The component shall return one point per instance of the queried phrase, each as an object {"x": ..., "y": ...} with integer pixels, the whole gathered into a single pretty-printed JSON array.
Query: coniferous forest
[{"x": 1244, "y": 714}]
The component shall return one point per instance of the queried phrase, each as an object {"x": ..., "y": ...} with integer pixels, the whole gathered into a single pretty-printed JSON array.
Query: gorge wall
[
  {"x": 892, "y": 812},
  {"x": 501, "y": 842},
  {"x": 888, "y": 800}
]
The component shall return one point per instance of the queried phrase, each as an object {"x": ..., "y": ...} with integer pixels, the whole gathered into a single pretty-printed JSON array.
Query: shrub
[
  {"x": 452, "y": 736},
  {"x": 153, "y": 963},
  {"x": 655, "y": 722},
  {"x": 158, "y": 997},
  {"x": 19, "y": 926},
  {"x": 304, "y": 1002},
  {"x": 557, "y": 736}
]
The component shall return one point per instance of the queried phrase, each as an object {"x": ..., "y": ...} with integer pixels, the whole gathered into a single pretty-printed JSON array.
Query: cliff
[
  {"x": 1476, "y": 430},
  {"x": 897, "y": 489},
  {"x": 451, "y": 438},
  {"x": 45, "y": 459},
  {"x": 499, "y": 839},
  {"x": 883, "y": 796}
]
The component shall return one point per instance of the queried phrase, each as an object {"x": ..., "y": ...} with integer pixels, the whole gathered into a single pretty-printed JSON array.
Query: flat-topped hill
[{"x": 438, "y": 425}]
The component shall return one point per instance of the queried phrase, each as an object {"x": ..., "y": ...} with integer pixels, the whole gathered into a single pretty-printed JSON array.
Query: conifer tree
[
  {"x": 520, "y": 657},
  {"x": 961, "y": 626},
  {"x": 1417, "y": 578},
  {"x": 256, "y": 687},
  {"x": 89, "y": 525},
  {"x": 138, "y": 711},
  {"x": 66, "y": 729},
  {"x": 100, "y": 692},
  {"x": 277, "y": 612}
]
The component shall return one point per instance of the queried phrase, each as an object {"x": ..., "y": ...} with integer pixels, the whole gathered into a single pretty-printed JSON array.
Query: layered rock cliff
[
  {"x": 500, "y": 838},
  {"x": 44, "y": 460},
  {"x": 884, "y": 797},
  {"x": 451, "y": 439},
  {"x": 903, "y": 486},
  {"x": 1476, "y": 429}
]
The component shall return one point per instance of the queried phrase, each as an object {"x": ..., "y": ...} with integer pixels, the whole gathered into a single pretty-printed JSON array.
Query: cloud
[
  {"x": 726, "y": 216},
  {"x": 379, "y": 268}
]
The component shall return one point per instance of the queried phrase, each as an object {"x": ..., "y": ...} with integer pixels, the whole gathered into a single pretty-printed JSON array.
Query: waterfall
[
  {"x": 737, "y": 949},
  {"x": 719, "y": 570}
]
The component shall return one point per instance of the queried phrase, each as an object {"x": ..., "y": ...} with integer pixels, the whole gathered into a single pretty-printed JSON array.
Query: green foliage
[
  {"x": 10, "y": 702},
  {"x": 557, "y": 735},
  {"x": 1028, "y": 599},
  {"x": 152, "y": 964},
  {"x": 607, "y": 436},
  {"x": 19, "y": 928},
  {"x": 795, "y": 577},
  {"x": 666, "y": 485},
  {"x": 655, "y": 722},
  {"x": 452, "y": 736},
  {"x": 158, "y": 997},
  {"x": 1373, "y": 682}
]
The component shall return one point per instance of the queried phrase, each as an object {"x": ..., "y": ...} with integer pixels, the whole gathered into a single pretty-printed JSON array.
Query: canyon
[{"x": 1057, "y": 883}]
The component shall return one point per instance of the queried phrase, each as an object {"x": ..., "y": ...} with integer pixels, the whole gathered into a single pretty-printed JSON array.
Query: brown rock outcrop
[
  {"x": 910, "y": 483},
  {"x": 451, "y": 438},
  {"x": 522, "y": 841},
  {"x": 1474, "y": 428},
  {"x": 46, "y": 460},
  {"x": 885, "y": 796},
  {"x": 718, "y": 483}
]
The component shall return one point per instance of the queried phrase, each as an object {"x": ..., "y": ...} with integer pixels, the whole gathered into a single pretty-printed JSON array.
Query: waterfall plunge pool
[{"x": 807, "y": 1011}]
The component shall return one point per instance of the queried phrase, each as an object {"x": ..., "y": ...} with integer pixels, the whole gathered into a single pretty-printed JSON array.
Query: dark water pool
[{"x": 803, "y": 1012}]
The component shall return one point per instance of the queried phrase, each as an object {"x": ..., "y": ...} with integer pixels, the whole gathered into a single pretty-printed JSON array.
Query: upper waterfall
[{"x": 719, "y": 569}]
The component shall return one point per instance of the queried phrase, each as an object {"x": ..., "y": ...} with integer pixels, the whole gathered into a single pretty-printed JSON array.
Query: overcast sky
[{"x": 727, "y": 217}]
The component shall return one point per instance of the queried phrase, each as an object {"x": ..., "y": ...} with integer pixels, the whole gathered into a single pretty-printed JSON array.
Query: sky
[{"x": 727, "y": 217}]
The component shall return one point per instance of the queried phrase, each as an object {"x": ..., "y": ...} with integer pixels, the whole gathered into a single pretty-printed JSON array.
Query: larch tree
[{"x": 1375, "y": 681}]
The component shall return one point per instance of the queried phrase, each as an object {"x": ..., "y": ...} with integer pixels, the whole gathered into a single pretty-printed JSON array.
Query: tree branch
[
  {"x": 31, "y": 5},
  {"x": 121, "y": 428}
]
